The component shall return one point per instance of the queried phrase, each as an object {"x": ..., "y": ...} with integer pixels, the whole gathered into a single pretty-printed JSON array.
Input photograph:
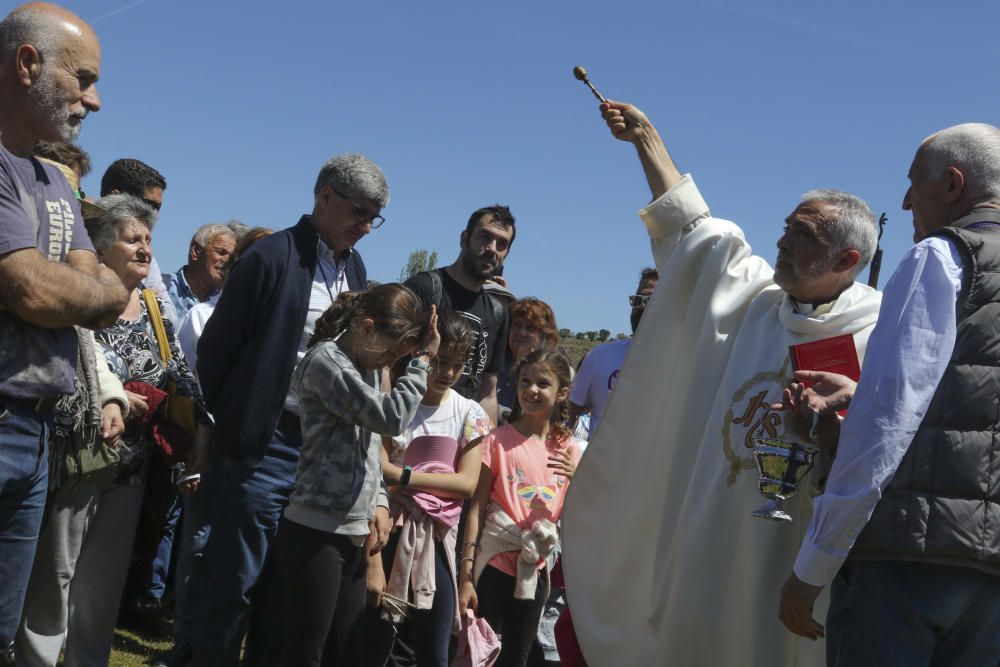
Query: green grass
[{"x": 132, "y": 649}]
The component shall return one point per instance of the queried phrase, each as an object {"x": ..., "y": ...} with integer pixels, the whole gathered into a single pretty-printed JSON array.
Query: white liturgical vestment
[{"x": 664, "y": 563}]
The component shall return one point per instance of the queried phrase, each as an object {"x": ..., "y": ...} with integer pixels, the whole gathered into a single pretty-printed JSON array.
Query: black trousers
[
  {"x": 516, "y": 621},
  {"x": 323, "y": 589},
  {"x": 424, "y": 637}
]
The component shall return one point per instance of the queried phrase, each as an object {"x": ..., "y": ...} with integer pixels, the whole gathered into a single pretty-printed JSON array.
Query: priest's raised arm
[{"x": 704, "y": 262}]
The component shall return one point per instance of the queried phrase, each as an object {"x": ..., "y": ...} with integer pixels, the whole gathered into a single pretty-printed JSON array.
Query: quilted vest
[{"x": 943, "y": 503}]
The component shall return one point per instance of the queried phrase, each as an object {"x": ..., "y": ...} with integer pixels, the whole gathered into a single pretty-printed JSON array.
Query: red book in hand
[{"x": 833, "y": 355}]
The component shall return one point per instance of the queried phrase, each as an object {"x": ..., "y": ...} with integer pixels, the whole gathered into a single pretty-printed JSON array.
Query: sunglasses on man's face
[{"x": 637, "y": 300}]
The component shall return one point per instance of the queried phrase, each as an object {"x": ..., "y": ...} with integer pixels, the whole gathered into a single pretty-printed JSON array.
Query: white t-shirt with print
[
  {"x": 457, "y": 417},
  {"x": 596, "y": 378}
]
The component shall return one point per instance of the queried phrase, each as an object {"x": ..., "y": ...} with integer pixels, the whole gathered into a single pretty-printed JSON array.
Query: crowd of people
[
  {"x": 395, "y": 444},
  {"x": 323, "y": 470}
]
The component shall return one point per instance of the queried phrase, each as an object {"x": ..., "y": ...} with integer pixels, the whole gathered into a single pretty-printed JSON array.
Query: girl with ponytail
[{"x": 337, "y": 516}]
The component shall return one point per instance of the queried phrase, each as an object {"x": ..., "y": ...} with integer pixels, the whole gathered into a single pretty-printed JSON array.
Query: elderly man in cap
[{"x": 50, "y": 279}]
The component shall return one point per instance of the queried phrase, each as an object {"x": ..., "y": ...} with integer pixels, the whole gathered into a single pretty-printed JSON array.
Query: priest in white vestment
[{"x": 664, "y": 563}]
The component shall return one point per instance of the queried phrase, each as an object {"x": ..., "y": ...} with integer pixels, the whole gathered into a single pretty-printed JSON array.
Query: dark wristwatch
[{"x": 420, "y": 364}]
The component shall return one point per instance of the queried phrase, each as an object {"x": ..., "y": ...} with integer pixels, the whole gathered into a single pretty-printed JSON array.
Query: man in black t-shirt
[{"x": 485, "y": 243}]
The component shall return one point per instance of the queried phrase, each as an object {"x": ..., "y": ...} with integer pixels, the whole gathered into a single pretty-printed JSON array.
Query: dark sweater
[{"x": 247, "y": 352}]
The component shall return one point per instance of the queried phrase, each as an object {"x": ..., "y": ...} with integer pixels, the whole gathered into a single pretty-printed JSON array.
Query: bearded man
[
  {"x": 49, "y": 276},
  {"x": 484, "y": 244},
  {"x": 663, "y": 560}
]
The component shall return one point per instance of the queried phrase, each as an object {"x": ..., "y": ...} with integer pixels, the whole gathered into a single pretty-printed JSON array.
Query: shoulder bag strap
[
  {"x": 437, "y": 288},
  {"x": 156, "y": 318}
]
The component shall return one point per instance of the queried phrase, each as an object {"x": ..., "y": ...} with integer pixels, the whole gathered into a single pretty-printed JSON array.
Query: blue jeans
[
  {"x": 160, "y": 570},
  {"x": 891, "y": 612},
  {"x": 189, "y": 576},
  {"x": 249, "y": 501},
  {"x": 24, "y": 478}
]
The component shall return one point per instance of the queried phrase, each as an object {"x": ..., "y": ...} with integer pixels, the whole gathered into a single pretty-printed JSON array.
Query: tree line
[{"x": 601, "y": 336}]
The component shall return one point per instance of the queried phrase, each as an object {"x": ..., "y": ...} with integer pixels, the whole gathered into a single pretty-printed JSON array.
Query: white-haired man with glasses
[{"x": 250, "y": 346}]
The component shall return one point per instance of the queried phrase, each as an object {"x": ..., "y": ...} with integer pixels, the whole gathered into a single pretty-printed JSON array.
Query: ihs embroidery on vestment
[{"x": 750, "y": 411}]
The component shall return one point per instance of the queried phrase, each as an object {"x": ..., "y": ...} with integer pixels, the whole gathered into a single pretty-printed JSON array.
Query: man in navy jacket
[{"x": 246, "y": 356}]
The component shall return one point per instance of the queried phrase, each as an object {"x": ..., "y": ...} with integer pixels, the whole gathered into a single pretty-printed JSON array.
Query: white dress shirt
[
  {"x": 329, "y": 280},
  {"x": 907, "y": 355},
  {"x": 190, "y": 330}
]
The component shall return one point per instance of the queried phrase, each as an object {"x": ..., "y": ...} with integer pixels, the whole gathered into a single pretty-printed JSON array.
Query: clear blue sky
[{"x": 465, "y": 104}]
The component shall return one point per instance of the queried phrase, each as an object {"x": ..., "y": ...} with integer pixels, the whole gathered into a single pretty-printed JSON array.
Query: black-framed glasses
[
  {"x": 360, "y": 214},
  {"x": 636, "y": 300}
]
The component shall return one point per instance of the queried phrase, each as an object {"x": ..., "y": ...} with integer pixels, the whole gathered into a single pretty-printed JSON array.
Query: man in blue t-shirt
[{"x": 50, "y": 279}]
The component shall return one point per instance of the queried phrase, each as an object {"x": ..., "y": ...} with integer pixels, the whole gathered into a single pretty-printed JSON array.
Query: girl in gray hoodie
[{"x": 338, "y": 513}]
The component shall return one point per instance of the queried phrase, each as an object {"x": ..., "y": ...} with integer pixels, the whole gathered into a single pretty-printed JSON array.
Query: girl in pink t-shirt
[{"x": 527, "y": 466}]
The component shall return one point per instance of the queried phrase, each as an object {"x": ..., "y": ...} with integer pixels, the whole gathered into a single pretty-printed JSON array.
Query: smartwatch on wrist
[
  {"x": 404, "y": 479},
  {"x": 420, "y": 364}
]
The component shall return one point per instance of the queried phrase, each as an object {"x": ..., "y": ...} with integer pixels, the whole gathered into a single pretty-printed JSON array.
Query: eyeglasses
[
  {"x": 636, "y": 300},
  {"x": 360, "y": 214}
]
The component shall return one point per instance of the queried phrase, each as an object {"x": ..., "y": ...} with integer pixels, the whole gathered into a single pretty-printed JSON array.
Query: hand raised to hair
[{"x": 432, "y": 337}]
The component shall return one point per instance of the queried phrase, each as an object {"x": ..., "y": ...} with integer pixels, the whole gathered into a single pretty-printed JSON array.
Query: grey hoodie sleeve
[{"x": 333, "y": 380}]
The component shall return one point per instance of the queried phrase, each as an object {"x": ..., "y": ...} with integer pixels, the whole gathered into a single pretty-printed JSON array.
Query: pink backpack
[{"x": 478, "y": 645}]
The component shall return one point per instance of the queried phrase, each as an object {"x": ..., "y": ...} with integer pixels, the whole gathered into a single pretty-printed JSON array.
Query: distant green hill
[{"x": 577, "y": 348}]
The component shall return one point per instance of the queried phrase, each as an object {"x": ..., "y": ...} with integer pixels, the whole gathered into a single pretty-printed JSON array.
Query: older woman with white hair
[{"x": 92, "y": 526}]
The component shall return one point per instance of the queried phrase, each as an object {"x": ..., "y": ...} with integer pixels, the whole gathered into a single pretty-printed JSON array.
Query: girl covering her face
[{"x": 337, "y": 516}]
